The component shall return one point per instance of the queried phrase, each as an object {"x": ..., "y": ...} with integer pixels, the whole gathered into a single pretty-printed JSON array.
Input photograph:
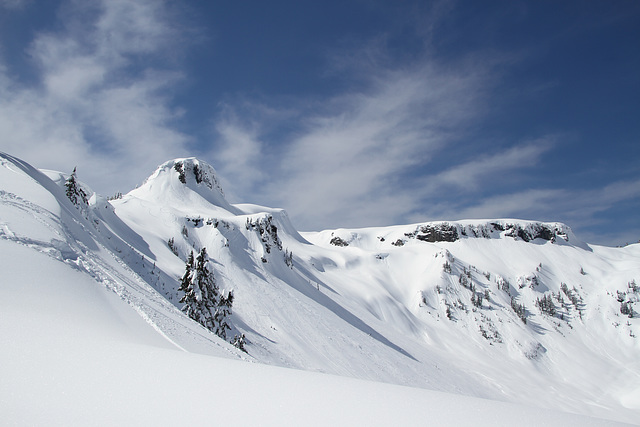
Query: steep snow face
[{"x": 189, "y": 182}]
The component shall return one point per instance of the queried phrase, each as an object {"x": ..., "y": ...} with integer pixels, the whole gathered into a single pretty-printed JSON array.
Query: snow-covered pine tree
[
  {"x": 191, "y": 306},
  {"x": 200, "y": 292},
  {"x": 74, "y": 192},
  {"x": 288, "y": 258},
  {"x": 520, "y": 310},
  {"x": 223, "y": 311},
  {"x": 239, "y": 341},
  {"x": 202, "y": 299},
  {"x": 172, "y": 245},
  {"x": 178, "y": 166}
]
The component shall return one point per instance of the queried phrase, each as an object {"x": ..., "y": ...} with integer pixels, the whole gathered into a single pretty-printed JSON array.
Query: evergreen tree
[
  {"x": 181, "y": 175},
  {"x": 197, "y": 172},
  {"x": 172, "y": 245},
  {"x": 190, "y": 299},
  {"x": 288, "y": 258},
  {"x": 239, "y": 341},
  {"x": 74, "y": 192},
  {"x": 546, "y": 305},
  {"x": 200, "y": 292},
  {"x": 202, "y": 299},
  {"x": 519, "y": 309},
  {"x": 446, "y": 267},
  {"x": 223, "y": 311}
]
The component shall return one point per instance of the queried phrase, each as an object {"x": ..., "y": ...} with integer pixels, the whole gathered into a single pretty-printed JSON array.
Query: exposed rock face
[
  {"x": 438, "y": 233},
  {"x": 527, "y": 231},
  {"x": 197, "y": 170},
  {"x": 337, "y": 241},
  {"x": 452, "y": 231},
  {"x": 534, "y": 231}
]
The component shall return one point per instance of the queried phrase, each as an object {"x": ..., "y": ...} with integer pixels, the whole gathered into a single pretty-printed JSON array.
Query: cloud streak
[
  {"x": 374, "y": 156},
  {"x": 401, "y": 148},
  {"x": 351, "y": 150},
  {"x": 95, "y": 106},
  {"x": 239, "y": 153},
  {"x": 470, "y": 174},
  {"x": 14, "y": 4}
]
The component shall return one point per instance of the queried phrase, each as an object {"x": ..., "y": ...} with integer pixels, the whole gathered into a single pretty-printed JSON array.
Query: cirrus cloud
[{"x": 94, "y": 104}]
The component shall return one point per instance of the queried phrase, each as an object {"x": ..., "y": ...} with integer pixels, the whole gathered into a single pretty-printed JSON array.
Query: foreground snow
[
  {"x": 75, "y": 353},
  {"x": 89, "y": 315}
]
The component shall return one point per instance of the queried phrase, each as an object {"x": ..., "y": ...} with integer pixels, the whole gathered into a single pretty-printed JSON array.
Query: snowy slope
[
  {"x": 582, "y": 359},
  {"x": 392, "y": 304},
  {"x": 74, "y": 353},
  {"x": 36, "y": 214}
]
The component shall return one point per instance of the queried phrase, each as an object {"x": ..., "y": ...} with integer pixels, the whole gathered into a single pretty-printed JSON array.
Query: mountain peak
[
  {"x": 182, "y": 179},
  {"x": 190, "y": 171}
]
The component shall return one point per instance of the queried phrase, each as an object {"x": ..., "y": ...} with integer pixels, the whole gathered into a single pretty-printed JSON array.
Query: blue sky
[{"x": 346, "y": 114}]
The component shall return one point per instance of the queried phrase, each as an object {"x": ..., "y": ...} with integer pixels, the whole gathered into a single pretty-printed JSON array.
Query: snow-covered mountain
[{"x": 507, "y": 310}]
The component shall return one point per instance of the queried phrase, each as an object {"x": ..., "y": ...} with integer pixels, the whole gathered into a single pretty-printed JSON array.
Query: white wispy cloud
[
  {"x": 94, "y": 104},
  {"x": 239, "y": 154},
  {"x": 14, "y": 4},
  {"x": 349, "y": 160},
  {"x": 471, "y": 174},
  {"x": 400, "y": 149}
]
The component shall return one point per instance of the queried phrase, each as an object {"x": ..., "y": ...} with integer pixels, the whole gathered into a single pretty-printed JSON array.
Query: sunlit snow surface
[{"x": 91, "y": 332}]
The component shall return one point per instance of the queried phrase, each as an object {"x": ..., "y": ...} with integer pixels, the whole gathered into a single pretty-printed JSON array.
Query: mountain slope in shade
[{"x": 509, "y": 310}]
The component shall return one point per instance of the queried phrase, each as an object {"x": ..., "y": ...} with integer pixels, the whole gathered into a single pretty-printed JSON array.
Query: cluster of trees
[
  {"x": 197, "y": 172},
  {"x": 572, "y": 294},
  {"x": 267, "y": 230},
  {"x": 476, "y": 298},
  {"x": 519, "y": 309},
  {"x": 626, "y": 303},
  {"x": 172, "y": 245},
  {"x": 179, "y": 167},
  {"x": 531, "y": 280},
  {"x": 337, "y": 241},
  {"x": 503, "y": 284},
  {"x": 626, "y": 308},
  {"x": 288, "y": 258},
  {"x": 464, "y": 278},
  {"x": 446, "y": 267},
  {"x": 203, "y": 301},
  {"x": 546, "y": 305}
]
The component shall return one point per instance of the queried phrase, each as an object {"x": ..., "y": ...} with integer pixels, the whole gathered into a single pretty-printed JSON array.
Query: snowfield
[{"x": 480, "y": 322}]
